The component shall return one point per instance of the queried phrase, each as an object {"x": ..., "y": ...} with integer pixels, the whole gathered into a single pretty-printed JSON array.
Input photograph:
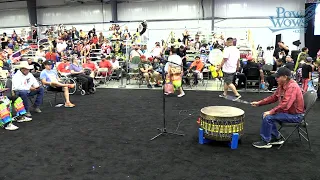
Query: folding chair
[
  {"x": 133, "y": 71},
  {"x": 9, "y": 86},
  {"x": 253, "y": 76},
  {"x": 309, "y": 100},
  {"x": 3, "y": 77},
  {"x": 100, "y": 75},
  {"x": 55, "y": 93}
]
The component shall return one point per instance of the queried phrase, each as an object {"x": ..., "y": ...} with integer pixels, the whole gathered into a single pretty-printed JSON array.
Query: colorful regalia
[{"x": 6, "y": 108}]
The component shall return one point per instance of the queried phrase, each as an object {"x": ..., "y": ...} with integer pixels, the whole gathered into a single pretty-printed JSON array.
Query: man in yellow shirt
[
  {"x": 301, "y": 57},
  {"x": 82, "y": 35}
]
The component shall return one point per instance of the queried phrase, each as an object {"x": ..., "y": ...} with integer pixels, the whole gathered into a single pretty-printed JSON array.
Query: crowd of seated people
[
  {"x": 31, "y": 79},
  {"x": 73, "y": 48},
  {"x": 25, "y": 86},
  {"x": 147, "y": 71},
  {"x": 249, "y": 71},
  {"x": 52, "y": 82},
  {"x": 77, "y": 71},
  {"x": 302, "y": 69}
]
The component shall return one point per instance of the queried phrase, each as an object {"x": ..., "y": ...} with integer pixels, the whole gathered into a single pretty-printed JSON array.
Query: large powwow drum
[{"x": 220, "y": 122}]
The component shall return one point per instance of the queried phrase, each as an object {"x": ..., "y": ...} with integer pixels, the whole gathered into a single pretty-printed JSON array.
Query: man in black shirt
[
  {"x": 289, "y": 63},
  {"x": 183, "y": 54},
  {"x": 271, "y": 79},
  {"x": 281, "y": 48},
  {"x": 306, "y": 73},
  {"x": 250, "y": 66},
  {"x": 36, "y": 68}
]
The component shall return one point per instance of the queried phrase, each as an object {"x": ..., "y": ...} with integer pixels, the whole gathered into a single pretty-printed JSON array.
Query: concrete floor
[{"x": 206, "y": 85}]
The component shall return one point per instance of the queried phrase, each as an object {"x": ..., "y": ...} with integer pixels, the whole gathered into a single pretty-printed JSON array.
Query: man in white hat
[{"x": 24, "y": 85}]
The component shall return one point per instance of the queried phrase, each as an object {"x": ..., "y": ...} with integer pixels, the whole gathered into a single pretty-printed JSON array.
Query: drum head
[{"x": 222, "y": 111}]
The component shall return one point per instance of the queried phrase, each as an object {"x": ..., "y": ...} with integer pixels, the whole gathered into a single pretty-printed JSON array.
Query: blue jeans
[
  {"x": 269, "y": 126},
  {"x": 25, "y": 94}
]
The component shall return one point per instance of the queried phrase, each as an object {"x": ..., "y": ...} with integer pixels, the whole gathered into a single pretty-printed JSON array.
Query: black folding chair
[
  {"x": 309, "y": 100},
  {"x": 253, "y": 76}
]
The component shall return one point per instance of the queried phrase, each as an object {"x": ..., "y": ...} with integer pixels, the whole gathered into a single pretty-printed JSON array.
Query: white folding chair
[{"x": 100, "y": 76}]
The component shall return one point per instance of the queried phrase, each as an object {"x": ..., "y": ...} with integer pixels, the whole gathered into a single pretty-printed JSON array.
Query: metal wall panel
[
  {"x": 207, "y": 4},
  {"x": 74, "y": 14},
  {"x": 159, "y": 10},
  {"x": 50, "y": 2},
  {"x": 14, "y": 18},
  {"x": 13, "y": 5},
  {"x": 250, "y": 8},
  {"x": 107, "y": 12}
]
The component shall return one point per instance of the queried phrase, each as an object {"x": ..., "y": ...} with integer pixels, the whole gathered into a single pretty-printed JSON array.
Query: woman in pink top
[{"x": 85, "y": 52}]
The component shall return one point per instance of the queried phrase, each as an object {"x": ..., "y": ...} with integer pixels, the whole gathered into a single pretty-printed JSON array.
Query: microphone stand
[{"x": 163, "y": 130}]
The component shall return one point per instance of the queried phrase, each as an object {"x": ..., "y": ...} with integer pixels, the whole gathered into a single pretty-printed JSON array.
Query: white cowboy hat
[{"x": 23, "y": 64}]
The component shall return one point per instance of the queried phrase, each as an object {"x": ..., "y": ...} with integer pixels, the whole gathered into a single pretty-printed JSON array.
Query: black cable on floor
[{"x": 189, "y": 115}]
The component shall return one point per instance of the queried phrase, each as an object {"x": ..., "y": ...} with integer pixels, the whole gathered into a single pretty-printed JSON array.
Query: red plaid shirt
[{"x": 290, "y": 99}]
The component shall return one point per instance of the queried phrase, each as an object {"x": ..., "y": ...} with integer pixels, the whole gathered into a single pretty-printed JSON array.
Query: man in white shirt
[
  {"x": 268, "y": 57},
  {"x": 61, "y": 47},
  {"x": 24, "y": 85},
  {"x": 116, "y": 67},
  {"x": 136, "y": 52},
  {"x": 157, "y": 51},
  {"x": 230, "y": 64}
]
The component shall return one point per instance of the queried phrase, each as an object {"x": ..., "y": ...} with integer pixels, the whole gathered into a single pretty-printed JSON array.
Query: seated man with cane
[
  {"x": 290, "y": 109},
  {"x": 50, "y": 80}
]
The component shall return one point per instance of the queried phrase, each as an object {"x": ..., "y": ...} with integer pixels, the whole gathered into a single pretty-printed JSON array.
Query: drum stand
[{"x": 164, "y": 131}]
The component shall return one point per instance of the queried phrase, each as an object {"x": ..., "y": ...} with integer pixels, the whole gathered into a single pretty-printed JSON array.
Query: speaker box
[
  {"x": 295, "y": 54},
  {"x": 278, "y": 39}
]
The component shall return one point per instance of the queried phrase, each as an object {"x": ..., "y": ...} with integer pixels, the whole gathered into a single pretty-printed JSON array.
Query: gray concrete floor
[{"x": 206, "y": 85}]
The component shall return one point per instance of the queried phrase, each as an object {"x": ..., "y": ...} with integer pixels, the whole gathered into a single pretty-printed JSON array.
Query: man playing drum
[{"x": 289, "y": 110}]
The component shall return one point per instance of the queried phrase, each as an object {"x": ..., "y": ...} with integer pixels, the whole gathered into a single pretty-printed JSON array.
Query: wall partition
[
  {"x": 79, "y": 14},
  {"x": 14, "y": 18},
  {"x": 265, "y": 18},
  {"x": 160, "y": 10}
]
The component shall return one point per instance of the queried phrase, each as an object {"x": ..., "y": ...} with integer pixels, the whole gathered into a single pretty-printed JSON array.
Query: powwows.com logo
[{"x": 295, "y": 20}]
